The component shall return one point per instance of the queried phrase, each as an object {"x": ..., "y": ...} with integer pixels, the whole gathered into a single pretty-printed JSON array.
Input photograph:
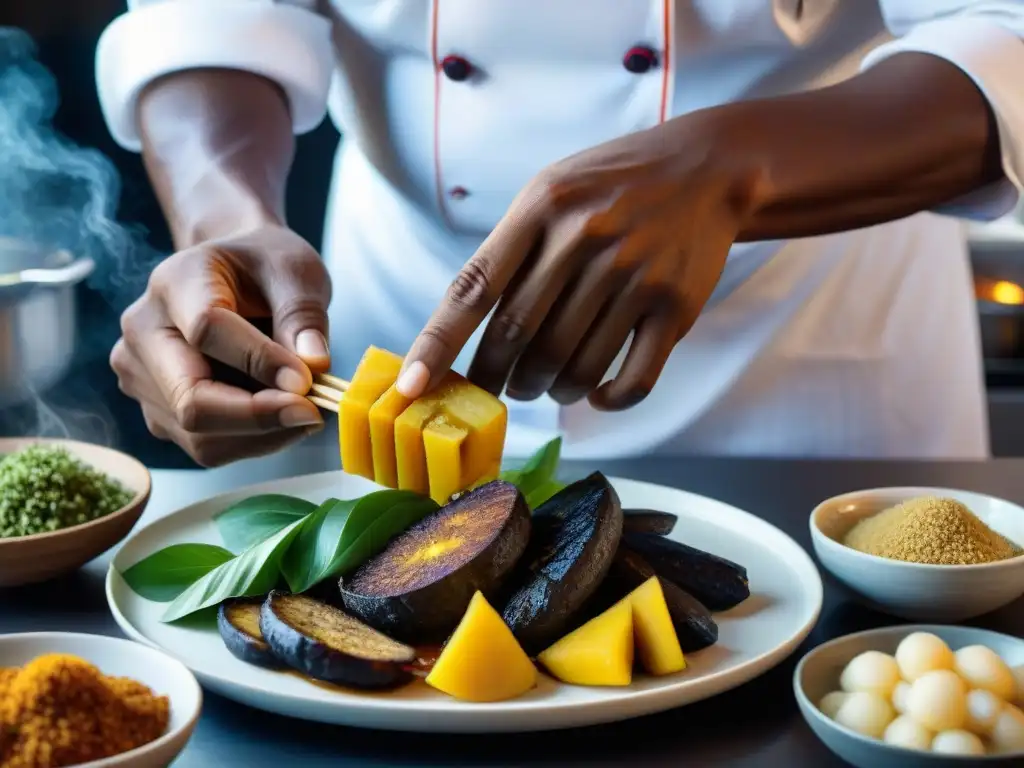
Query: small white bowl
[
  {"x": 818, "y": 673},
  {"x": 123, "y": 658},
  {"x": 914, "y": 591}
]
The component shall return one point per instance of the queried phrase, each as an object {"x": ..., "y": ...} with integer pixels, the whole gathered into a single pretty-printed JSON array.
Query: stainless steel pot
[{"x": 37, "y": 317}]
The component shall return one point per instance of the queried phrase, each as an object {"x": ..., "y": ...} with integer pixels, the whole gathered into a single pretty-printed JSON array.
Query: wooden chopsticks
[{"x": 327, "y": 391}]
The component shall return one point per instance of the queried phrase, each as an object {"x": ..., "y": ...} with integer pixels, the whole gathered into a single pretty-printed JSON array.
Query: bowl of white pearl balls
[{"x": 917, "y": 697}]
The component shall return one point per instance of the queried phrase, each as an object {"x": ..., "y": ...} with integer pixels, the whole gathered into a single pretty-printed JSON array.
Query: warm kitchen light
[{"x": 1005, "y": 292}]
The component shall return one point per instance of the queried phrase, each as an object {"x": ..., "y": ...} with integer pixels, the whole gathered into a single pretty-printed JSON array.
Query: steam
[{"x": 58, "y": 195}]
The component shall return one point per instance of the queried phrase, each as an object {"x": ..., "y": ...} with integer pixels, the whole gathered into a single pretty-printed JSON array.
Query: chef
[{"x": 728, "y": 227}]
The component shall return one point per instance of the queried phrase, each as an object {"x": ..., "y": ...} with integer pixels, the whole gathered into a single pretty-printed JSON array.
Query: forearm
[
  {"x": 910, "y": 134},
  {"x": 218, "y": 145}
]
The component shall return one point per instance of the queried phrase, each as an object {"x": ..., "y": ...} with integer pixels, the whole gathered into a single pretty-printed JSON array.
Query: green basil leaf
[
  {"x": 165, "y": 574},
  {"x": 312, "y": 550},
  {"x": 256, "y": 518},
  {"x": 541, "y": 493},
  {"x": 342, "y": 536},
  {"x": 253, "y": 572},
  {"x": 537, "y": 478}
]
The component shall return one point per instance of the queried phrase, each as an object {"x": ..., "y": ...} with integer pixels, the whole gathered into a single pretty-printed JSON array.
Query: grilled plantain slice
[
  {"x": 575, "y": 536},
  {"x": 327, "y": 644},
  {"x": 417, "y": 590},
  {"x": 717, "y": 583},
  {"x": 648, "y": 521},
  {"x": 238, "y": 622}
]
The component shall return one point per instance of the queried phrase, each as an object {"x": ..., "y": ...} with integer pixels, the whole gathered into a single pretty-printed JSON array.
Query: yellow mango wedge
[
  {"x": 450, "y": 439},
  {"x": 598, "y": 653},
  {"x": 376, "y": 372},
  {"x": 656, "y": 642},
  {"x": 482, "y": 660}
]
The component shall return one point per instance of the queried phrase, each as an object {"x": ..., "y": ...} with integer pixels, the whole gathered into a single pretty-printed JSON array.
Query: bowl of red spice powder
[
  {"x": 92, "y": 701},
  {"x": 923, "y": 554}
]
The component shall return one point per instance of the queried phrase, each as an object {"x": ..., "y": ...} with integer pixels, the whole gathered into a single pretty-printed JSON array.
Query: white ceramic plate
[
  {"x": 785, "y": 601},
  {"x": 121, "y": 658}
]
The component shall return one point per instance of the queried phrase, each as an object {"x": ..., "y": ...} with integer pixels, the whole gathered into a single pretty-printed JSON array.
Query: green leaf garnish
[
  {"x": 537, "y": 478},
  {"x": 256, "y": 518},
  {"x": 277, "y": 535},
  {"x": 253, "y": 572},
  {"x": 342, "y": 535},
  {"x": 164, "y": 575}
]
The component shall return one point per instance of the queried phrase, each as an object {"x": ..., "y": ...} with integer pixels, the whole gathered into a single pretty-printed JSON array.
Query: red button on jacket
[
  {"x": 456, "y": 68},
  {"x": 639, "y": 59}
]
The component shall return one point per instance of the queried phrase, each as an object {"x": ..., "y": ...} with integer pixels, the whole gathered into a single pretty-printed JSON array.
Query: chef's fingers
[
  {"x": 470, "y": 297},
  {"x": 217, "y": 450},
  {"x": 202, "y": 304},
  {"x": 565, "y": 327},
  {"x": 182, "y": 377},
  {"x": 653, "y": 341},
  {"x": 217, "y": 414},
  {"x": 155, "y": 421},
  {"x": 298, "y": 292},
  {"x": 606, "y": 338},
  {"x": 526, "y": 305}
]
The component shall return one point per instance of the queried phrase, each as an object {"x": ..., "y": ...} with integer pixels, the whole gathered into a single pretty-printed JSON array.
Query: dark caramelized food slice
[
  {"x": 576, "y": 534},
  {"x": 418, "y": 588},
  {"x": 238, "y": 622},
  {"x": 327, "y": 644},
  {"x": 648, "y": 521},
  {"x": 694, "y": 625},
  {"x": 718, "y": 583}
]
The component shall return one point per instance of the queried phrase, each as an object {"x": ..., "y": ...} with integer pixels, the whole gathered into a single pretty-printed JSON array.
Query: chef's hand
[
  {"x": 193, "y": 310},
  {"x": 628, "y": 237}
]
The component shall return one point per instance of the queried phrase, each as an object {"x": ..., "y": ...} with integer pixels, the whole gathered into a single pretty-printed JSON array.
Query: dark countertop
[{"x": 753, "y": 726}]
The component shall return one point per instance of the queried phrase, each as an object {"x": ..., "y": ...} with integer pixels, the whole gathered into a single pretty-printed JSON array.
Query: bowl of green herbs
[{"x": 63, "y": 503}]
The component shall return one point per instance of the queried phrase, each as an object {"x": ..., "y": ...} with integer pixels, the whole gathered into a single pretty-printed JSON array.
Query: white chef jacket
[{"x": 859, "y": 344}]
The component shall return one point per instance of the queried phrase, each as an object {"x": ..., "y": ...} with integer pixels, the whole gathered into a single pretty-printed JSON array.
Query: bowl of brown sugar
[{"x": 923, "y": 554}]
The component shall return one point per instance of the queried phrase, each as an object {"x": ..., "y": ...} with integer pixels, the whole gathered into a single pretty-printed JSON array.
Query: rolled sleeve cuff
[
  {"x": 993, "y": 57},
  {"x": 289, "y": 45}
]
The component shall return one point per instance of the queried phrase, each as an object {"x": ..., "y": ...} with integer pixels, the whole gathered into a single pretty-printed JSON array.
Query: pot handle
[{"x": 73, "y": 273}]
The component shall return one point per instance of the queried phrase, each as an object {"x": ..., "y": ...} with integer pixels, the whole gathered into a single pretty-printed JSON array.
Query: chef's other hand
[
  {"x": 627, "y": 238},
  {"x": 193, "y": 311}
]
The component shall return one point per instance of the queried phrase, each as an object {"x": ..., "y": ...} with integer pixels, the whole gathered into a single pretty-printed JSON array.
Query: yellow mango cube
[
  {"x": 450, "y": 439},
  {"x": 482, "y": 661},
  {"x": 600, "y": 653},
  {"x": 376, "y": 372},
  {"x": 382, "y": 436},
  {"x": 657, "y": 644}
]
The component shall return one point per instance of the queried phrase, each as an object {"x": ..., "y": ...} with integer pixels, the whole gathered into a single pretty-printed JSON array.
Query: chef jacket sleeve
[
  {"x": 286, "y": 41},
  {"x": 985, "y": 39}
]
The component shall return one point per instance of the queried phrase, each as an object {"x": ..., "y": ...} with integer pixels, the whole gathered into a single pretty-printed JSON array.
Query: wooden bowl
[{"x": 31, "y": 559}]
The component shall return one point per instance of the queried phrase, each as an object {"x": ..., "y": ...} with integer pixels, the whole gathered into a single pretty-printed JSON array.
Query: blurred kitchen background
[{"x": 83, "y": 400}]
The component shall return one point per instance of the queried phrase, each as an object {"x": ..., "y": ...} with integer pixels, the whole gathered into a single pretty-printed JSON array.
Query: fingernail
[
  {"x": 298, "y": 416},
  {"x": 290, "y": 380},
  {"x": 311, "y": 345},
  {"x": 413, "y": 380}
]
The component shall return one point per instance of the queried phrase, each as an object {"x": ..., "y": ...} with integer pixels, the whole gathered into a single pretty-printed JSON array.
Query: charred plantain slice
[
  {"x": 327, "y": 644},
  {"x": 718, "y": 583},
  {"x": 419, "y": 587},
  {"x": 575, "y": 536},
  {"x": 648, "y": 521},
  {"x": 238, "y": 622}
]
